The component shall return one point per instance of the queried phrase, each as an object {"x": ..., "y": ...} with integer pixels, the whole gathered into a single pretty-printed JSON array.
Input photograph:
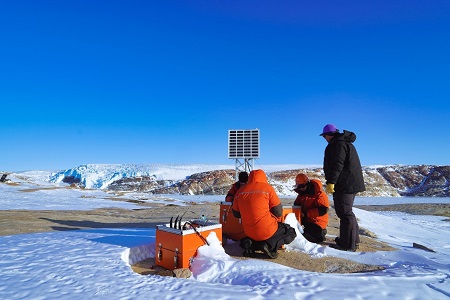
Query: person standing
[
  {"x": 344, "y": 179},
  {"x": 314, "y": 206},
  {"x": 259, "y": 208},
  {"x": 243, "y": 178}
]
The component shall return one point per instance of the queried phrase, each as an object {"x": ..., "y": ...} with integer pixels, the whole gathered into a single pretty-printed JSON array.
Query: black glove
[{"x": 322, "y": 210}]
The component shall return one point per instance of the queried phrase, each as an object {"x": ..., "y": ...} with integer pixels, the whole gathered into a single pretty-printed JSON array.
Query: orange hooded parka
[
  {"x": 310, "y": 204},
  {"x": 255, "y": 202}
]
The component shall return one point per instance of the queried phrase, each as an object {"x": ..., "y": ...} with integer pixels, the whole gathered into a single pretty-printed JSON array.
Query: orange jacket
[
  {"x": 233, "y": 190},
  {"x": 310, "y": 204},
  {"x": 254, "y": 202}
]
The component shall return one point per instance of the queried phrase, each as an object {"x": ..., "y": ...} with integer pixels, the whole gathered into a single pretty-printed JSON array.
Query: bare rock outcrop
[
  {"x": 422, "y": 181},
  {"x": 205, "y": 183},
  {"x": 381, "y": 181}
]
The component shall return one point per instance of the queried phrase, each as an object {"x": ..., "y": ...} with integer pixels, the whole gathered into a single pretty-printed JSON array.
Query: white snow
[{"x": 95, "y": 264}]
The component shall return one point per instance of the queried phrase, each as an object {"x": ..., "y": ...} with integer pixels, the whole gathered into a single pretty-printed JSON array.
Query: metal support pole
[{"x": 239, "y": 166}]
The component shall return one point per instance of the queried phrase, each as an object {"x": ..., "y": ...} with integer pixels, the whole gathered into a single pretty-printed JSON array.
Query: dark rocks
[
  {"x": 421, "y": 181},
  {"x": 71, "y": 180},
  {"x": 381, "y": 181}
]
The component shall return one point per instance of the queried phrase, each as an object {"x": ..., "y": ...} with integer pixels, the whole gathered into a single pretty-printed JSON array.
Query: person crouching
[
  {"x": 243, "y": 178},
  {"x": 259, "y": 208},
  {"x": 314, "y": 206}
]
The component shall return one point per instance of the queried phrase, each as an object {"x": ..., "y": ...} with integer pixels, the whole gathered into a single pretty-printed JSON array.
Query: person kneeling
[
  {"x": 314, "y": 205},
  {"x": 259, "y": 208}
]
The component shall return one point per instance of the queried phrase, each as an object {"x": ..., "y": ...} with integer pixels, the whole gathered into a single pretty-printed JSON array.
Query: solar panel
[{"x": 243, "y": 143}]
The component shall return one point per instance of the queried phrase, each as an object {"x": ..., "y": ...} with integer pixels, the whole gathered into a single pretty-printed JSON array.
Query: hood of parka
[
  {"x": 346, "y": 136},
  {"x": 257, "y": 176}
]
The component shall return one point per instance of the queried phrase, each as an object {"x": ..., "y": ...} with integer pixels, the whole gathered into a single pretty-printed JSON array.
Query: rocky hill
[{"x": 386, "y": 181}]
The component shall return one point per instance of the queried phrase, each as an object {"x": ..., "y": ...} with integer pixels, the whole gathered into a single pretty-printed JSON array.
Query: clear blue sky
[{"x": 163, "y": 81}]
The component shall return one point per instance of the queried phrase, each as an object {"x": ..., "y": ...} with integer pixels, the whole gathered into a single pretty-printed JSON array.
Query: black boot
[
  {"x": 339, "y": 247},
  {"x": 266, "y": 250},
  {"x": 246, "y": 243}
]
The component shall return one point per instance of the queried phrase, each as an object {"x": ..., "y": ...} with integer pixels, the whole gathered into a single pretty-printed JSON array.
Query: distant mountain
[
  {"x": 386, "y": 181},
  {"x": 101, "y": 176}
]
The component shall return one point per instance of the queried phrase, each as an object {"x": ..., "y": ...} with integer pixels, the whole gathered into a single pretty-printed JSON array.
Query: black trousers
[
  {"x": 348, "y": 227},
  {"x": 313, "y": 232},
  {"x": 285, "y": 234}
]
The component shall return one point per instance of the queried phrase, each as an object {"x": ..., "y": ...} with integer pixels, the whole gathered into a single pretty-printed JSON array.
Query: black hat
[{"x": 243, "y": 177}]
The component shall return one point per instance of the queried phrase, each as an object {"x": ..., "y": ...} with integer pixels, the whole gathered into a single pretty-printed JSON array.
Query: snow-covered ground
[{"x": 95, "y": 264}]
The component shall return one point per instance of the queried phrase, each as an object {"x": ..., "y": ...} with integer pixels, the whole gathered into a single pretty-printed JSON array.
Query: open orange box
[
  {"x": 232, "y": 227},
  {"x": 175, "y": 248}
]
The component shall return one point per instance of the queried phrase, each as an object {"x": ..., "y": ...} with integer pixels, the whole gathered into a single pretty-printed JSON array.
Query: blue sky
[{"x": 163, "y": 81}]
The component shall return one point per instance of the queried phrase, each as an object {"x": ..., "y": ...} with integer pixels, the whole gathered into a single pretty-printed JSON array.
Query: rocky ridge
[{"x": 385, "y": 181}]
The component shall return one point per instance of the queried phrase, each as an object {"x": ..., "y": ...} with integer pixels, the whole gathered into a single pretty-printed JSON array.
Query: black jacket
[{"x": 341, "y": 164}]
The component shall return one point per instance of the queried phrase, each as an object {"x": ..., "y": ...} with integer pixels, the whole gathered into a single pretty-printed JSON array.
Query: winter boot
[
  {"x": 266, "y": 250},
  {"x": 246, "y": 243},
  {"x": 337, "y": 240}
]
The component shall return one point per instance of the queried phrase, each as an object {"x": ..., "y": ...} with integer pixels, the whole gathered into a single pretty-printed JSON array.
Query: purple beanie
[{"x": 329, "y": 129}]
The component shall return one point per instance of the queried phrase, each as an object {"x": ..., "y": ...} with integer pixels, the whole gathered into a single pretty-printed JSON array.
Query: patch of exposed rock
[
  {"x": 384, "y": 181},
  {"x": 424, "y": 180},
  {"x": 205, "y": 183}
]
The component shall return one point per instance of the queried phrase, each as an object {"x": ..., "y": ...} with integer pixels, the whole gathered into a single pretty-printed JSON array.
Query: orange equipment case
[
  {"x": 296, "y": 209},
  {"x": 175, "y": 248},
  {"x": 232, "y": 227}
]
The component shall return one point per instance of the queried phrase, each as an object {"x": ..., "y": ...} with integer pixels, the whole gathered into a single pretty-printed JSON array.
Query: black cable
[{"x": 198, "y": 233}]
